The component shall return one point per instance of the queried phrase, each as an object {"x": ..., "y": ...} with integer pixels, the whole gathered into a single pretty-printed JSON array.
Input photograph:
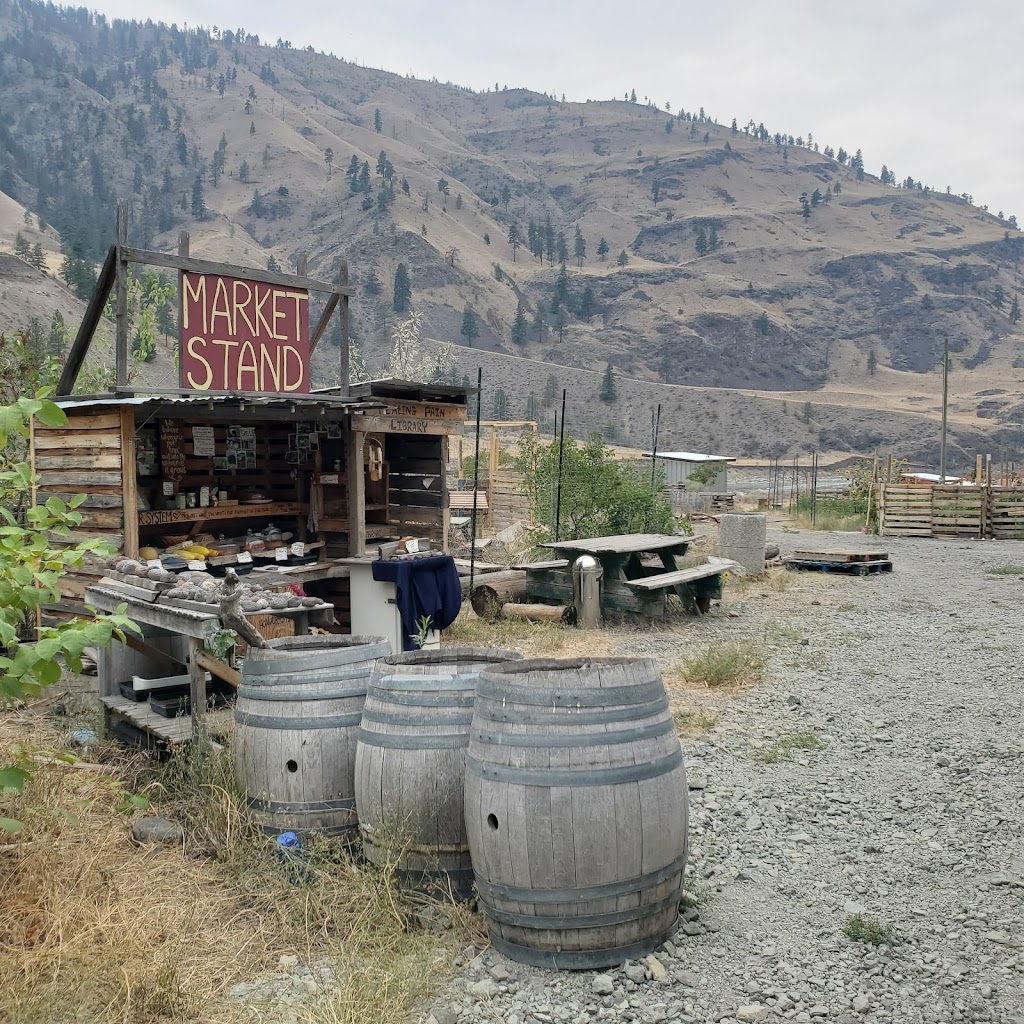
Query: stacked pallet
[
  {"x": 905, "y": 510},
  {"x": 1006, "y": 515}
]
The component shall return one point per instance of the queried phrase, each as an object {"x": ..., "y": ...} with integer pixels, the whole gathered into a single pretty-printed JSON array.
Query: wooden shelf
[
  {"x": 171, "y": 730},
  {"x": 160, "y": 517}
]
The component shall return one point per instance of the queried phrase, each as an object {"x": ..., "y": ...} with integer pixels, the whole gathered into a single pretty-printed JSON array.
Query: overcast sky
[{"x": 932, "y": 88}]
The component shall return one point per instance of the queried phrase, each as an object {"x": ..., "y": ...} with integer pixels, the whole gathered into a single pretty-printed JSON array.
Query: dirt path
[{"x": 875, "y": 770}]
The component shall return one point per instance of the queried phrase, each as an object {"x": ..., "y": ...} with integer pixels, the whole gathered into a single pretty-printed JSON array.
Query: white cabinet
[{"x": 374, "y": 611}]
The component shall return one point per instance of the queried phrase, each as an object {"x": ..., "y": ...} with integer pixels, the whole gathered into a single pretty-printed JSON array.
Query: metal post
[
  {"x": 814, "y": 488},
  {"x": 476, "y": 478},
  {"x": 561, "y": 453},
  {"x": 945, "y": 402},
  {"x": 654, "y": 444}
]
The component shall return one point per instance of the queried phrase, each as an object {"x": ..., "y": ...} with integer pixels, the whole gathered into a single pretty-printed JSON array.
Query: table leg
[
  {"x": 197, "y": 687},
  {"x": 690, "y": 603}
]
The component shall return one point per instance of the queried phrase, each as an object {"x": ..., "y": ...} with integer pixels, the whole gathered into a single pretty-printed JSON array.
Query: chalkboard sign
[{"x": 172, "y": 450}]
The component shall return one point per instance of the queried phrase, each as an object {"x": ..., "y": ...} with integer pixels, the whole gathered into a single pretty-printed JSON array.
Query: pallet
[
  {"x": 840, "y": 556},
  {"x": 847, "y": 568}
]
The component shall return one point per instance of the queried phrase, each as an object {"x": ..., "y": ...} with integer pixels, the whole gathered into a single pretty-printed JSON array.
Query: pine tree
[
  {"x": 519, "y": 326},
  {"x": 499, "y": 404},
  {"x": 532, "y": 410},
  {"x": 563, "y": 248},
  {"x": 588, "y": 305},
  {"x": 608, "y": 393},
  {"x": 561, "y": 295},
  {"x": 656, "y": 192},
  {"x": 579, "y": 248},
  {"x": 405, "y": 185},
  {"x": 872, "y": 362},
  {"x": 506, "y": 196},
  {"x": 857, "y": 163},
  {"x": 252, "y": 127},
  {"x": 998, "y": 296},
  {"x": 58, "y": 336},
  {"x": 378, "y": 122},
  {"x": 470, "y": 326},
  {"x": 602, "y": 248},
  {"x": 540, "y": 324},
  {"x": 713, "y": 242},
  {"x": 560, "y": 320},
  {"x": 622, "y": 259},
  {"x": 701, "y": 244},
  {"x": 402, "y": 289},
  {"x": 1015, "y": 310},
  {"x": 550, "y": 390},
  {"x": 198, "y": 203},
  {"x": 513, "y": 239},
  {"x": 22, "y": 249},
  {"x": 329, "y": 160}
]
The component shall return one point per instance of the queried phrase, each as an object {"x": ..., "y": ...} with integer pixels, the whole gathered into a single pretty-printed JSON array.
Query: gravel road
[{"x": 908, "y": 811}]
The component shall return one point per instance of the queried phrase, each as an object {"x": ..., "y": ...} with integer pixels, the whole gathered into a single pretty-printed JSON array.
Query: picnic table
[{"x": 632, "y": 582}]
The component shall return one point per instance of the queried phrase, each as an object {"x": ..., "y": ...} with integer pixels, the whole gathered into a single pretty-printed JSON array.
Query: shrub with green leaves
[
  {"x": 601, "y": 496},
  {"x": 32, "y": 561}
]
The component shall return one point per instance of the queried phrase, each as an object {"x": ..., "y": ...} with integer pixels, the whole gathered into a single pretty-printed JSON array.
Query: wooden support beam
[
  {"x": 323, "y": 323},
  {"x": 217, "y": 668},
  {"x": 80, "y": 347},
  {"x": 174, "y": 666},
  {"x": 197, "y": 687},
  {"x": 191, "y": 265},
  {"x": 356, "y": 483},
  {"x": 121, "y": 298},
  {"x": 344, "y": 342}
]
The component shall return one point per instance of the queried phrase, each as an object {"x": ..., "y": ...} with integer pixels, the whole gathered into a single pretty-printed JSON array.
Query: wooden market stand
[{"x": 341, "y": 469}]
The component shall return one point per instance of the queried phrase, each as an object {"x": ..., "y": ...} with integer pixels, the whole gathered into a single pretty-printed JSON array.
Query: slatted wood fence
[
  {"x": 927, "y": 510},
  {"x": 509, "y": 501}
]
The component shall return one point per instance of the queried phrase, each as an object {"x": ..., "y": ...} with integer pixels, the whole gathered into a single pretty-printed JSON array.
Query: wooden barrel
[
  {"x": 576, "y": 810},
  {"x": 411, "y": 762},
  {"x": 296, "y": 724}
]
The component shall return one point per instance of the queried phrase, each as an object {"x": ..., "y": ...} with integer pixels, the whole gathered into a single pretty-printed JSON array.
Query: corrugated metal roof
[
  {"x": 931, "y": 478},
  {"x": 203, "y": 398},
  {"x": 691, "y": 457}
]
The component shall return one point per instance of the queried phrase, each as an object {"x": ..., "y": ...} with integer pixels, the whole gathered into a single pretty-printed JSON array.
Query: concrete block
[{"x": 741, "y": 537}]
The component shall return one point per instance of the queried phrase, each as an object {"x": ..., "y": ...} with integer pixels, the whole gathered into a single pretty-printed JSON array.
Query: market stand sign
[{"x": 239, "y": 335}]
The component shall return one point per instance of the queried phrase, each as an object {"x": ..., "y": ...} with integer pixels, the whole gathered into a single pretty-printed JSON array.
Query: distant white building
[{"x": 680, "y": 467}]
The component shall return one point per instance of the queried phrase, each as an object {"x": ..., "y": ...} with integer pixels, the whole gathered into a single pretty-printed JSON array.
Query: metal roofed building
[{"x": 679, "y": 468}]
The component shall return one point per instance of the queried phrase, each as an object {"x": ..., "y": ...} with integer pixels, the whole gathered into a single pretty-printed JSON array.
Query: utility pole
[{"x": 945, "y": 403}]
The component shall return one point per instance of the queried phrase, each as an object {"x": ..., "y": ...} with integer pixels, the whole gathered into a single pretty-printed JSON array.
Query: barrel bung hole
[
  {"x": 292, "y": 766},
  {"x": 492, "y": 822}
]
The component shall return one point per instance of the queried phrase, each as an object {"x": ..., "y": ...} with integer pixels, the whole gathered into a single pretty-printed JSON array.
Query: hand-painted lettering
[{"x": 240, "y": 335}]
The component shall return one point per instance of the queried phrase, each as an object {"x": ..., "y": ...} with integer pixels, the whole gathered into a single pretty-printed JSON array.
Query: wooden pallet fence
[
  {"x": 926, "y": 510},
  {"x": 1007, "y": 513},
  {"x": 904, "y": 510},
  {"x": 510, "y": 501}
]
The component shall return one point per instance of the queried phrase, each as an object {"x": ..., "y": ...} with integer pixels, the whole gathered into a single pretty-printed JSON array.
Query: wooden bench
[
  {"x": 696, "y": 599},
  {"x": 557, "y": 563}
]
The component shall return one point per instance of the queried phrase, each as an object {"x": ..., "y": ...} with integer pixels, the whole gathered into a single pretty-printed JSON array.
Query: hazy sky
[{"x": 932, "y": 88}]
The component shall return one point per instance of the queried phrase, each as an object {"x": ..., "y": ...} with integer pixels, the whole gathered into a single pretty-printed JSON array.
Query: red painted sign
[{"x": 243, "y": 335}]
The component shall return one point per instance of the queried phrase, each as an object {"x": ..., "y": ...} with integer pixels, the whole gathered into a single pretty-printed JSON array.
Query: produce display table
[{"x": 174, "y": 635}]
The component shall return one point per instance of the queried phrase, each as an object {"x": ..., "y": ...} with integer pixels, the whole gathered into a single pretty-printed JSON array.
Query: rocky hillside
[{"x": 674, "y": 246}]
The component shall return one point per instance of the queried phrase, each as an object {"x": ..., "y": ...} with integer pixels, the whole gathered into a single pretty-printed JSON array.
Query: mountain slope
[{"x": 785, "y": 302}]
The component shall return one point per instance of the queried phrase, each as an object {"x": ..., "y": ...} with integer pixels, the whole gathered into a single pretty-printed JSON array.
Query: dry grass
[
  {"x": 695, "y": 721},
  {"x": 94, "y": 928},
  {"x": 723, "y": 666},
  {"x": 534, "y": 639},
  {"x": 1006, "y": 570},
  {"x": 783, "y": 748},
  {"x": 775, "y": 581}
]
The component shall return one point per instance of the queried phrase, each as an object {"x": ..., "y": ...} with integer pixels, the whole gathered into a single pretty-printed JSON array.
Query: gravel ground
[{"x": 909, "y": 811}]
